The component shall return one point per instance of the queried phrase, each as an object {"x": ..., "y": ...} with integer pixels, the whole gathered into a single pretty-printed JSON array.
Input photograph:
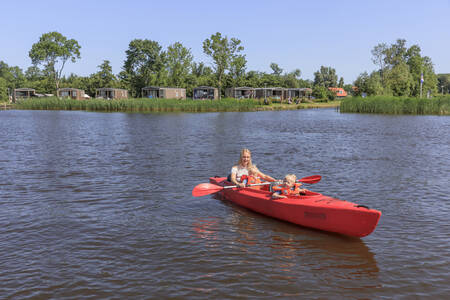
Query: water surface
[{"x": 99, "y": 205}]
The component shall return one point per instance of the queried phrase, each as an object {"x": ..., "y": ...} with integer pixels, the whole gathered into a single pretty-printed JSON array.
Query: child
[
  {"x": 252, "y": 177},
  {"x": 288, "y": 188}
]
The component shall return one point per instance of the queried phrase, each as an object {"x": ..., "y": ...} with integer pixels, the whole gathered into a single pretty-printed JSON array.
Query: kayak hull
[{"x": 311, "y": 210}]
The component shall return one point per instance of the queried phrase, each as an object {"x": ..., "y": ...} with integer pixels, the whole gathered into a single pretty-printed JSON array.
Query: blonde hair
[
  {"x": 245, "y": 150},
  {"x": 253, "y": 170},
  {"x": 291, "y": 178}
]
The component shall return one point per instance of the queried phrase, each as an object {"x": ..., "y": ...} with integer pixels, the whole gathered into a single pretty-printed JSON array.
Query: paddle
[
  {"x": 204, "y": 189},
  {"x": 310, "y": 179}
]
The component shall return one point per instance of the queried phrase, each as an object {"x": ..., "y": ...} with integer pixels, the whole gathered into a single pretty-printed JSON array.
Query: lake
[{"x": 99, "y": 205}]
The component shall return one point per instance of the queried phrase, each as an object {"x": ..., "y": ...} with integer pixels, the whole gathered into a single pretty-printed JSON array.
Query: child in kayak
[
  {"x": 289, "y": 187},
  {"x": 252, "y": 177}
]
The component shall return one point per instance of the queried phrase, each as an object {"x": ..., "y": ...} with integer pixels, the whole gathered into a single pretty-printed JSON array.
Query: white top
[{"x": 239, "y": 171}]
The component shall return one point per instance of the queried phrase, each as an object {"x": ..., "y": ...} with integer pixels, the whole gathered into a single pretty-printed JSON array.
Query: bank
[{"x": 163, "y": 105}]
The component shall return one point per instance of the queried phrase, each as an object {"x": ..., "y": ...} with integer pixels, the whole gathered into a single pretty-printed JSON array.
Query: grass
[
  {"x": 397, "y": 105},
  {"x": 156, "y": 105}
]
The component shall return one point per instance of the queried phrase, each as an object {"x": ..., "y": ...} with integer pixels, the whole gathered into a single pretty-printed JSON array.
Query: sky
[{"x": 298, "y": 34}]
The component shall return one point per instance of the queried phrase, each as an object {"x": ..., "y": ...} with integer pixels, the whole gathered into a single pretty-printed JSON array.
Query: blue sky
[{"x": 293, "y": 34}]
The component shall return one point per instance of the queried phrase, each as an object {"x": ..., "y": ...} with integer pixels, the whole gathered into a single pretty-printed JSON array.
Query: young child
[
  {"x": 288, "y": 188},
  {"x": 252, "y": 177}
]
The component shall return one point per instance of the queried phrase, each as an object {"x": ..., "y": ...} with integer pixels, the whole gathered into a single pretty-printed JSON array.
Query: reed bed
[
  {"x": 397, "y": 105},
  {"x": 140, "y": 105}
]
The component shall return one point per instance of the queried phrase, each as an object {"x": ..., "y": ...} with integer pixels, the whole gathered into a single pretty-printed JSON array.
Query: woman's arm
[
  {"x": 235, "y": 182},
  {"x": 266, "y": 177}
]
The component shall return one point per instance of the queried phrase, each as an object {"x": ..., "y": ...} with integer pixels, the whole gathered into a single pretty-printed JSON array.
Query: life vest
[
  {"x": 248, "y": 179},
  {"x": 285, "y": 190}
]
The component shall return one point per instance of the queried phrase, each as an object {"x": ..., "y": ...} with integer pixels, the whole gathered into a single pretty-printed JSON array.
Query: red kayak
[{"x": 311, "y": 210}]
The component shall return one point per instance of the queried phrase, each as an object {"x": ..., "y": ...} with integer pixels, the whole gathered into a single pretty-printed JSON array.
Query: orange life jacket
[
  {"x": 284, "y": 190},
  {"x": 248, "y": 179}
]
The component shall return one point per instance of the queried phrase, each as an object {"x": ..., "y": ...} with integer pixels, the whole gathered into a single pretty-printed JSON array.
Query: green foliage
[
  {"x": 223, "y": 52},
  {"x": 400, "y": 69},
  {"x": 325, "y": 77},
  {"x": 52, "y": 49},
  {"x": 397, "y": 105},
  {"x": 320, "y": 92},
  {"x": 179, "y": 61},
  {"x": 444, "y": 83},
  {"x": 144, "y": 65},
  {"x": 3, "y": 90}
]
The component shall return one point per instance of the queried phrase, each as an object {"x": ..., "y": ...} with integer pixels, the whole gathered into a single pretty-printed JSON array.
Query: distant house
[
  {"x": 240, "y": 92},
  {"x": 111, "y": 93},
  {"x": 271, "y": 92},
  {"x": 72, "y": 93},
  {"x": 205, "y": 92},
  {"x": 340, "y": 92},
  {"x": 23, "y": 93},
  {"x": 163, "y": 92}
]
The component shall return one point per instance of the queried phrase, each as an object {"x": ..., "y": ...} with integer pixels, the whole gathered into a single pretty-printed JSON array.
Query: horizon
[{"x": 292, "y": 34}]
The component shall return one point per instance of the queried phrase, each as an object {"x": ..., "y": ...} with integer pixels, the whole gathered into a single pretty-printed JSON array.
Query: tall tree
[
  {"x": 222, "y": 51},
  {"x": 179, "y": 61},
  {"x": 237, "y": 69},
  {"x": 276, "y": 70},
  {"x": 325, "y": 77},
  {"x": 144, "y": 65},
  {"x": 53, "y": 51}
]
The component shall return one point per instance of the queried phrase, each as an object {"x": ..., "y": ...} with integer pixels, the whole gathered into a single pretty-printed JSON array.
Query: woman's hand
[{"x": 240, "y": 184}]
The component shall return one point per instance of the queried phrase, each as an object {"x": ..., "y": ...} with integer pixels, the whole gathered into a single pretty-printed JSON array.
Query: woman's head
[{"x": 245, "y": 159}]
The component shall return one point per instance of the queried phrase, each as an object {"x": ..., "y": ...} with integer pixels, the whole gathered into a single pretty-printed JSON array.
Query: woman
[{"x": 244, "y": 164}]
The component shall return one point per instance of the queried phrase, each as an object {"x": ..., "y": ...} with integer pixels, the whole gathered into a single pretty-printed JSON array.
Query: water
[{"x": 99, "y": 205}]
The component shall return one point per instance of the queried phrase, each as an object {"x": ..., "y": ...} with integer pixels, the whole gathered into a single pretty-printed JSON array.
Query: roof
[
  {"x": 110, "y": 89},
  {"x": 205, "y": 87},
  {"x": 24, "y": 90},
  {"x": 69, "y": 89},
  {"x": 159, "y": 88}
]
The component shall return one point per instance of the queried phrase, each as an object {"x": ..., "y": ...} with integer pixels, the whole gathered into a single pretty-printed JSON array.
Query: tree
[
  {"x": 341, "y": 82},
  {"x": 144, "y": 65},
  {"x": 105, "y": 76},
  {"x": 237, "y": 69},
  {"x": 179, "y": 61},
  {"x": 325, "y": 77},
  {"x": 3, "y": 89},
  {"x": 276, "y": 70},
  {"x": 53, "y": 51},
  {"x": 400, "y": 80},
  {"x": 378, "y": 54},
  {"x": 222, "y": 51}
]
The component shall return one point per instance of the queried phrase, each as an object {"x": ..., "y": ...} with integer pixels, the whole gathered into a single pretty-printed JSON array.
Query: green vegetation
[
  {"x": 402, "y": 72},
  {"x": 397, "y": 105},
  {"x": 160, "y": 105}
]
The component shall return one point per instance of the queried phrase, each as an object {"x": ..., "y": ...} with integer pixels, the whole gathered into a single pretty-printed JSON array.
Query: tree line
[{"x": 148, "y": 64}]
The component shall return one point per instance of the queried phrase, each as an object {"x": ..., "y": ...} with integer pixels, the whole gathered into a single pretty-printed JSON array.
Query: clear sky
[{"x": 293, "y": 34}]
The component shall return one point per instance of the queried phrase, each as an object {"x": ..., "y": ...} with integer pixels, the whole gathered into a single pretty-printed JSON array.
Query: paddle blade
[
  {"x": 204, "y": 189},
  {"x": 311, "y": 179}
]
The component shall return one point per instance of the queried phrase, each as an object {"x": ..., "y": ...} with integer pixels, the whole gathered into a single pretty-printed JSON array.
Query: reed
[
  {"x": 397, "y": 105},
  {"x": 140, "y": 105}
]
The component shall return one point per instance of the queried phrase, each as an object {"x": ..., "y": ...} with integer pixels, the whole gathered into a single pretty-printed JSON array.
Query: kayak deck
[{"x": 311, "y": 210}]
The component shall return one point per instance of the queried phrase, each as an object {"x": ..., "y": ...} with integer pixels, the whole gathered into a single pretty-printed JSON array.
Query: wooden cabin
[
  {"x": 163, "y": 92},
  {"x": 240, "y": 92},
  {"x": 71, "y": 93},
  {"x": 23, "y": 93},
  {"x": 298, "y": 93},
  {"x": 277, "y": 93},
  {"x": 111, "y": 93},
  {"x": 205, "y": 92}
]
